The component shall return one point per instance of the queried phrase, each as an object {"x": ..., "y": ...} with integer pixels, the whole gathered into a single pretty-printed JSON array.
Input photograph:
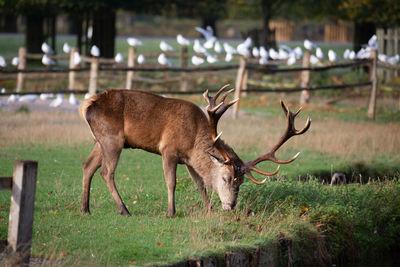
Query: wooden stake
[
  {"x": 21, "y": 209},
  {"x": 72, "y": 74},
  {"x": 21, "y": 66},
  {"x": 183, "y": 60},
  {"x": 94, "y": 72},
  {"x": 240, "y": 77},
  {"x": 131, "y": 64},
  {"x": 374, "y": 86},
  {"x": 305, "y": 79}
]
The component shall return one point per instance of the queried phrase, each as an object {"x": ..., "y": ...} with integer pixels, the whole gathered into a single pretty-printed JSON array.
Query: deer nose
[{"x": 226, "y": 206}]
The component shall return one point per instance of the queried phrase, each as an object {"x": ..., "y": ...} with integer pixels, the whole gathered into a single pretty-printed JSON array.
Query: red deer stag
[{"x": 177, "y": 130}]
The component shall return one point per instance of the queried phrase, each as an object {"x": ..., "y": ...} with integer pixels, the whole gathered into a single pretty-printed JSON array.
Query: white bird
[
  {"x": 346, "y": 54},
  {"x": 255, "y": 52},
  {"x": 165, "y": 47},
  {"x": 273, "y": 54},
  {"x": 393, "y": 60},
  {"x": 57, "y": 101},
  {"x": 133, "y": 41},
  {"x": 198, "y": 48},
  {"x": 141, "y": 59},
  {"x": 209, "y": 43},
  {"x": 352, "y": 55},
  {"x": 298, "y": 52},
  {"x": 87, "y": 96},
  {"x": 313, "y": 59},
  {"x": 44, "y": 96},
  {"x": 218, "y": 47},
  {"x": 182, "y": 40},
  {"x": 207, "y": 33},
  {"x": 229, "y": 49},
  {"x": 197, "y": 60},
  {"x": 72, "y": 100},
  {"x": 283, "y": 54},
  {"x": 28, "y": 98},
  {"x": 383, "y": 58},
  {"x": 243, "y": 50},
  {"x": 291, "y": 59},
  {"x": 119, "y": 58},
  {"x": 3, "y": 63},
  {"x": 212, "y": 58},
  {"x": 163, "y": 60},
  {"x": 90, "y": 32},
  {"x": 3, "y": 90},
  {"x": 95, "y": 51},
  {"x": 76, "y": 59},
  {"x": 286, "y": 48},
  {"x": 47, "y": 49},
  {"x": 263, "y": 52},
  {"x": 320, "y": 55},
  {"x": 263, "y": 60},
  {"x": 228, "y": 57},
  {"x": 15, "y": 61},
  {"x": 66, "y": 48},
  {"x": 373, "y": 42},
  {"x": 12, "y": 98},
  {"x": 364, "y": 53},
  {"x": 47, "y": 61},
  {"x": 332, "y": 56},
  {"x": 309, "y": 45}
]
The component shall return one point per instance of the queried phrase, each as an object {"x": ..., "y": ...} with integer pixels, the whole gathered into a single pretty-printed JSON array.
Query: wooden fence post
[
  {"x": 21, "y": 66},
  {"x": 183, "y": 60},
  {"x": 374, "y": 85},
  {"x": 305, "y": 79},
  {"x": 72, "y": 74},
  {"x": 94, "y": 72},
  {"x": 21, "y": 209},
  {"x": 240, "y": 77},
  {"x": 131, "y": 64}
]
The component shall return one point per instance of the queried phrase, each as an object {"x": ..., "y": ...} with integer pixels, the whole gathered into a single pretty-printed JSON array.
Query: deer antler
[
  {"x": 290, "y": 131},
  {"x": 215, "y": 112}
]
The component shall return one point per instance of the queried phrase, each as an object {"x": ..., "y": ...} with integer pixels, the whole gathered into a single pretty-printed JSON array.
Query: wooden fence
[
  {"x": 23, "y": 187},
  {"x": 388, "y": 44}
]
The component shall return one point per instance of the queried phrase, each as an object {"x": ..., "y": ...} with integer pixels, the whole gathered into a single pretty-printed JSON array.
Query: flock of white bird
[{"x": 211, "y": 50}]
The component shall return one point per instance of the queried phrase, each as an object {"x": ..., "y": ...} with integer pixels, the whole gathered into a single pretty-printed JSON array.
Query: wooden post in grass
[
  {"x": 21, "y": 210},
  {"x": 72, "y": 74},
  {"x": 131, "y": 64},
  {"x": 240, "y": 78},
  {"x": 183, "y": 61},
  {"x": 94, "y": 74},
  {"x": 21, "y": 66},
  {"x": 305, "y": 79},
  {"x": 374, "y": 85}
]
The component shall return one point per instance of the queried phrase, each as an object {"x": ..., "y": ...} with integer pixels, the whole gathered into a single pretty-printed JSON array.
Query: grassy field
[{"x": 326, "y": 225}]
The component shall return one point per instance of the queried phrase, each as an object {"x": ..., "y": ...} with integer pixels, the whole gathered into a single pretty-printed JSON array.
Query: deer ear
[{"x": 215, "y": 159}]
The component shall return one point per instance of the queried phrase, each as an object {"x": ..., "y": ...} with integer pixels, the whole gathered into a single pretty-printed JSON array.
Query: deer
[{"x": 180, "y": 132}]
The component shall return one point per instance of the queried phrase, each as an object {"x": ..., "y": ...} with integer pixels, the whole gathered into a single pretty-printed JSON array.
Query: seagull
[
  {"x": 332, "y": 56},
  {"x": 320, "y": 55},
  {"x": 165, "y": 47},
  {"x": 163, "y": 60},
  {"x": 95, "y": 51},
  {"x": 182, "y": 40},
  {"x": 243, "y": 50},
  {"x": 291, "y": 59},
  {"x": 212, "y": 59},
  {"x": 87, "y": 96},
  {"x": 383, "y": 58},
  {"x": 228, "y": 57},
  {"x": 364, "y": 53},
  {"x": 119, "y": 58},
  {"x": 286, "y": 48},
  {"x": 3, "y": 63},
  {"x": 273, "y": 54},
  {"x": 15, "y": 61},
  {"x": 283, "y": 54},
  {"x": 72, "y": 100},
  {"x": 218, "y": 47},
  {"x": 28, "y": 98},
  {"x": 309, "y": 45},
  {"x": 3, "y": 90},
  {"x": 66, "y": 48},
  {"x": 393, "y": 60},
  {"x": 141, "y": 59},
  {"x": 298, "y": 52},
  {"x": 47, "y": 61},
  {"x": 47, "y": 49},
  {"x": 90, "y": 32},
  {"x": 133, "y": 41},
  {"x": 352, "y": 55},
  {"x": 12, "y": 98},
  {"x": 44, "y": 96},
  {"x": 255, "y": 52},
  {"x": 198, "y": 48},
  {"x": 373, "y": 42},
  {"x": 207, "y": 33},
  {"x": 197, "y": 60},
  {"x": 76, "y": 59},
  {"x": 263, "y": 61},
  {"x": 57, "y": 101},
  {"x": 263, "y": 52},
  {"x": 229, "y": 49},
  {"x": 313, "y": 59},
  {"x": 346, "y": 54}
]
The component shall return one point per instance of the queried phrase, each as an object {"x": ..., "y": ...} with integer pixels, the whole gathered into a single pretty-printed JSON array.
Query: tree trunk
[
  {"x": 362, "y": 33},
  {"x": 34, "y": 36},
  {"x": 8, "y": 23},
  {"x": 268, "y": 35},
  {"x": 104, "y": 31}
]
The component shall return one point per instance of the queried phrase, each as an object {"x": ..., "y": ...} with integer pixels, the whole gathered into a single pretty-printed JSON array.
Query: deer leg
[
  {"x": 111, "y": 150},
  {"x": 169, "y": 166},
  {"x": 89, "y": 167},
  {"x": 200, "y": 184}
]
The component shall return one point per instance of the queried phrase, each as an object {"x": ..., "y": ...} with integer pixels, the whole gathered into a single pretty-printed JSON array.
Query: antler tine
[{"x": 248, "y": 173}]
